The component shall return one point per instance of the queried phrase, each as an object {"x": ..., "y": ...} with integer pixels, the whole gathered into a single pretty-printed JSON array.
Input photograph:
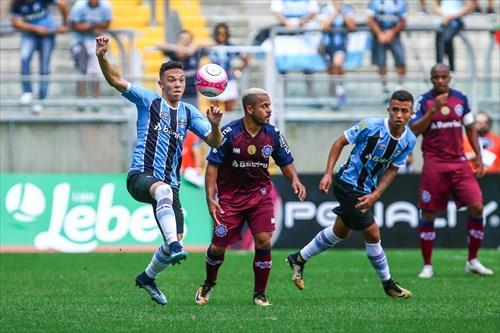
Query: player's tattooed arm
[{"x": 367, "y": 201}]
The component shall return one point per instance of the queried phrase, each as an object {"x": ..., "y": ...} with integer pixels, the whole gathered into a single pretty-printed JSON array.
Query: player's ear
[{"x": 160, "y": 84}]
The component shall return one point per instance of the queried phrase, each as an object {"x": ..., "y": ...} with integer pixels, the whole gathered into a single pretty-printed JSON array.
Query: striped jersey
[
  {"x": 375, "y": 149},
  {"x": 161, "y": 130},
  {"x": 443, "y": 141},
  {"x": 243, "y": 159}
]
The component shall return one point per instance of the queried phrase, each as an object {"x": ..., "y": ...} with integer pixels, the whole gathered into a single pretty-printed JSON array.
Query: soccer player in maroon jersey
[
  {"x": 238, "y": 188},
  {"x": 440, "y": 115}
]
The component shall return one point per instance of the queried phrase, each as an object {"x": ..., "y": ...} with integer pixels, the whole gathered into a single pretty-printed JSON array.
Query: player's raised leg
[
  {"x": 324, "y": 240},
  {"x": 213, "y": 260},
  {"x": 379, "y": 262},
  {"x": 146, "y": 280}
]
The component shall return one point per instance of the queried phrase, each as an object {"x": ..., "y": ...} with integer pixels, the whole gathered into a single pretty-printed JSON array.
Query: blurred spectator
[
  {"x": 39, "y": 29},
  {"x": 489, "y": 142},
  {"x": 88, "y": 18},
  {"x": 451, "y": 12},
  {"x": 232, "y": 62},
  {"x": 490, "y": 9},
  {"x": 193, "y": 159},
  {"x": 296, "y": 14},
  {"x": 386, "y": 19},
  {"x": 338, "y": 18},
  {"x": 188, "y": 53},
  {"x": 423, "y": 8},
  {"x": 408, "y": 168}
]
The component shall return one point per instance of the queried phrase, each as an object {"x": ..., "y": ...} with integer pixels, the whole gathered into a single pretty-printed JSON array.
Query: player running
[{"x": 381, "y": 146}]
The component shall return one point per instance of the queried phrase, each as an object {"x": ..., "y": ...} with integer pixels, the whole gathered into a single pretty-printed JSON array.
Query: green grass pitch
[{"x": 96, "y": 293}]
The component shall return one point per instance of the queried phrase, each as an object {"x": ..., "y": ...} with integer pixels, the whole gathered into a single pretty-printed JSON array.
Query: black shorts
[
  {"x": 138, "y": 185},
  {"x": 348, "y": 198}
]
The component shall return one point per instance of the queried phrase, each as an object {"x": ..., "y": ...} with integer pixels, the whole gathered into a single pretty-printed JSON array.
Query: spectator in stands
[
  {"x": 338, "y": 18},
  {"x": 451, "y": 12},
  {"x": 386, "y": 19},
  {"x": 296, "y": 14},
  {"x": 489, "y": 143},
  {"x": 232, "y": 62},
  {"x": 39, "y": 29},
  {"x": 188, "y": 53},
  {"x": 193, "y": 159},
  {"x": 88, "y": 18}
]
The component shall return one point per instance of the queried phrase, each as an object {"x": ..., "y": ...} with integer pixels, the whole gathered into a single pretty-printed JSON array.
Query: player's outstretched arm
[
  {"x": 291, "y": 173},
  {"x": 112, "y": 75},
  {"x": 214, "y": 116}
]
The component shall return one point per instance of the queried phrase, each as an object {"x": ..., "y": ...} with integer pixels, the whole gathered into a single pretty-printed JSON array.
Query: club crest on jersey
[
  {"x": 445, "y": 110},
  {"x": 426, "y": 196},
  {"x": 182, "y": 123},
  {"x": 459, "y": 110},
  {"x": 165, "y": 115},
  {"x": 251, "y": 150},
  {"x": 220, "y": 230},
  {"x": 267, "y": 150}
]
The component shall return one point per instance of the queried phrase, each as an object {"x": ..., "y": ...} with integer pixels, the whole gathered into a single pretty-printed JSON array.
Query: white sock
[
  {"x": 165, "y": 213},
  {"x": 159, "y": 262},
  {"x": 325, "y": 239},
  {"x": 377, "y": 257}
]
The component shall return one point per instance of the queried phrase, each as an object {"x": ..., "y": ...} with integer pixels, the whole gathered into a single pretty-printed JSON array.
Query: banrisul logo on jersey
[{"x": 79, "y": 213}]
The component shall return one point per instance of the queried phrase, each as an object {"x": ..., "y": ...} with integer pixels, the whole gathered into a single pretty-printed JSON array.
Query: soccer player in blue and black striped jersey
[
  {"x": 154, "y": 175},
  {"x": 381, "y": 146}
]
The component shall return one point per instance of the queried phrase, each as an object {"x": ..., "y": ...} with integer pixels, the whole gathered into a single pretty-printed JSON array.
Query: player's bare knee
[
  {"x": 429, "y": 216},
  {"x": 217, "y": 250},
  {"x": 476, "y": 209}
]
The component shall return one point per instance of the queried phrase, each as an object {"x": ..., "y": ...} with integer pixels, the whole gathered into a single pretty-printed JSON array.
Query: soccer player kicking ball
[
  {"x": 381, "y": 146},
  {"x": 154, "y": 175},
  {"x": 238, "y": 188}
]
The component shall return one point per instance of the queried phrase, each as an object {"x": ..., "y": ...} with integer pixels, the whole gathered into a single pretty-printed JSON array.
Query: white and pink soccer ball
[{"x": 211, "y": 80}]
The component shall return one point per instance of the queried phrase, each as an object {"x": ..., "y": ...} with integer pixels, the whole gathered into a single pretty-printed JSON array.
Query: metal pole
[
  {"x": 166, "y": 13},
  {"x": 152, "y": 17}
]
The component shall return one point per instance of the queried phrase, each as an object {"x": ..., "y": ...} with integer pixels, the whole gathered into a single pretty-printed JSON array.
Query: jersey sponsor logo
[
  {"x": 236, "y": 150},
  {"x": 182, "y": 123},
  {"x": 166, "y": 129},
  {"x": 251, "y": 150},
  {"x": 376, "y": 158},
  {"x": 446, "y": 124},
  {"x": 226, "y": 131},
  {"x": 425, "y": 196},
  {"x": 459, "y": 110},
  {"x": 220, "y": 230},
  {"x": 248, "y": 164},
  {"x": 267, "y": 150},
  {"x": 445, "y": 110},
  {"x": 284, "y": 144}
]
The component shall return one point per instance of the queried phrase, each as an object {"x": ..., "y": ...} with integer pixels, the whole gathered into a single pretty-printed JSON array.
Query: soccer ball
[{"x": 211, "y": 80}]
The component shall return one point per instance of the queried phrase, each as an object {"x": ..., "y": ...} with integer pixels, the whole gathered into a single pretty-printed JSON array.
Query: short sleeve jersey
[
  {"x": 161, "y": 130},
  {"x": 82, "y": 12},
  {"x": 375, "y": 149},
  {"x": 442, "y": 141},
  {"x": 243, "y": 160},
  {"x": 388, "y": 13},
  {"x": 36, "y": 12}
]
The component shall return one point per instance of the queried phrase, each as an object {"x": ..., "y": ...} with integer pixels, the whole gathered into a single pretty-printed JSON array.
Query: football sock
[
  {"x": 427, "y": 236},
  {"x": 165, "y": 213},
  {"x": 212, "y": 264},
  {"x": 159, "y": 262},
  {"x": 377, "y": 257},
  {"x": 262, "y": 264},
  {"x": 325, "y": 239},
  {"x": 474, "y": 235}
]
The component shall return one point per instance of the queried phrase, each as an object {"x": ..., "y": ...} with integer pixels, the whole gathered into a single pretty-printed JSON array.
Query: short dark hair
[
  {"x": 170, "y": 65},
  {"x": 219, "y": 26},
  {"x": 402, "y": 95}
]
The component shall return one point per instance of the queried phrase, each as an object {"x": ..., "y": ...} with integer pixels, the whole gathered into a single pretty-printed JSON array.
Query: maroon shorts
[
  {"x": 257, "y": 212},
  {"x": 439, "y": 180}
]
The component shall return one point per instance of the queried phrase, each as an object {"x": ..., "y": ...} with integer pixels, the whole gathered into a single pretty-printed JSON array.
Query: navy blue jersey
[
  {"x": 161, "y": 130},
  {"x": 374, "y": 151},
  {"x": 36, "y": 12},
  {"x": 243, "y": 160}
]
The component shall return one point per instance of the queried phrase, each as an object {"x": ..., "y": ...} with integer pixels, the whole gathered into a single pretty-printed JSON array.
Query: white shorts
[{"x": 230, "y": 93}]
